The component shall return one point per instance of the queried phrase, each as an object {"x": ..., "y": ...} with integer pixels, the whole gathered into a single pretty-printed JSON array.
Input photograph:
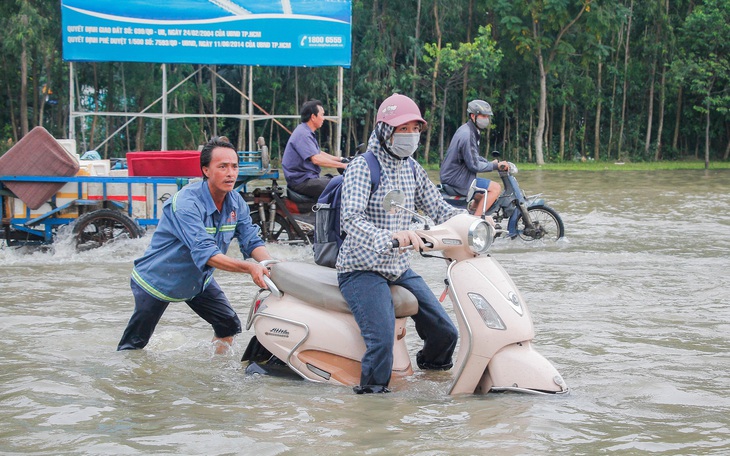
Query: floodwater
[{"x": 632, "y": 309}]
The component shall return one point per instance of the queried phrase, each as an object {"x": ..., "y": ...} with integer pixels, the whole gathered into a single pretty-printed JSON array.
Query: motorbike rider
[
  {"x": 303, "y": 159},
  {"x": 367, "y": 264},
  {"x": 463, "y": 162}
]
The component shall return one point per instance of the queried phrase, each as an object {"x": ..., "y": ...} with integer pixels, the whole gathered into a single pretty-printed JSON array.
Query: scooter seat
[
  {"x": 298, "y": 197},
  {"x": 449, "y": 190},
  {"x": 317, "y": 286}
]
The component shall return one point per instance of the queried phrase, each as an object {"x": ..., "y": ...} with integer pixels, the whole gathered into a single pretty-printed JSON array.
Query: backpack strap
[{"x": 374, "y": 166}]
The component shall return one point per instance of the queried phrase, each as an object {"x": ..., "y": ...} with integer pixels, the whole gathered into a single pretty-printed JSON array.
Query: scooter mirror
[
  {"x": 393, "y": 199},
  {"x": 496, "y": 154}
]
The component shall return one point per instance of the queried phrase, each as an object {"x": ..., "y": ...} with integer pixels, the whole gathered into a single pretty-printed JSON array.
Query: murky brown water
[{"x": 632, "y": 308}]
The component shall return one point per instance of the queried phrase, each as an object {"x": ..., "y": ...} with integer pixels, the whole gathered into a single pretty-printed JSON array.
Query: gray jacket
[{"x": 463, "y": 162}]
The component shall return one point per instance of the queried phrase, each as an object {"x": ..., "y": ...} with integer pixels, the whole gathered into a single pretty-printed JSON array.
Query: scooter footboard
[{"x": 519, "y": 367}]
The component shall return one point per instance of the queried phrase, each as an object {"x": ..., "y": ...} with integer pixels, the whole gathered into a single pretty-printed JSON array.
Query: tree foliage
[{"x": 567, "y": 79}]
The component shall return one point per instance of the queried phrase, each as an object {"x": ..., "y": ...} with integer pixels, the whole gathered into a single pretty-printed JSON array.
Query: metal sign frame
[{"x": 164, "y": 115}]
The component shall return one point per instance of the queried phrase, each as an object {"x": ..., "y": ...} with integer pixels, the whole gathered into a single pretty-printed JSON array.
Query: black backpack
[{"x": 328, "y": 236}]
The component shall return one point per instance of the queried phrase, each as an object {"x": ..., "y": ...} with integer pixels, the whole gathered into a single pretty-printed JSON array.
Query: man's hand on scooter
[
  {"x": 258, "y": 272},
  {"x": 408, "y": 238},
  {"x": 503, "y": 166}
]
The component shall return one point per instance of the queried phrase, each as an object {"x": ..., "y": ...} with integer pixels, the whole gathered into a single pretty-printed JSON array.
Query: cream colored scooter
[{"x": 303, "y": 323}]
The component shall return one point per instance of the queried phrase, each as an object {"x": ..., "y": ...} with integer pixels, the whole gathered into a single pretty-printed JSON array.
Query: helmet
[
  {"x": 479, "y": 107},
  {"x": 399, "y": 109}
]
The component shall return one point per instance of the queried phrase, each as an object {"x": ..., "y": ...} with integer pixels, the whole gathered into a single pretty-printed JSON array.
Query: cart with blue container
[{"x": 102, "y": 209}]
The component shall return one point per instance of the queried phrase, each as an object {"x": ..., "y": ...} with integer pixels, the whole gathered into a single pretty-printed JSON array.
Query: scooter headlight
[
  {"x": 480, "y": 236},
  {"x": 487, "y": 312}
]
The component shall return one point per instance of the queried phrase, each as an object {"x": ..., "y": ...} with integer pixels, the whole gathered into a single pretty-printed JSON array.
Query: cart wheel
[{"x": 99, "y": 227}]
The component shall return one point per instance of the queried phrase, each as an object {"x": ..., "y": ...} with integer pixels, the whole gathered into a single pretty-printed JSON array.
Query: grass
[{"x": 617, "y": 166}]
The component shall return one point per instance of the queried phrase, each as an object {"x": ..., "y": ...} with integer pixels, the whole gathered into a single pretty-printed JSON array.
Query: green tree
[
  {"x": 704, "y": 63},
  {"x": 539, "y": 28}
]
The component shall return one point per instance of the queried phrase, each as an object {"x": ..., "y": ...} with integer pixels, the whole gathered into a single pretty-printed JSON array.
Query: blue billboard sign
[{"x": 233, "y": 32}]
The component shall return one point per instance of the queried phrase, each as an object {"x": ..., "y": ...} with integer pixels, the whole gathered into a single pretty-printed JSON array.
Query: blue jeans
[
  {"x": 368, "y": 295},
  {"x": 211, "y": 304}
]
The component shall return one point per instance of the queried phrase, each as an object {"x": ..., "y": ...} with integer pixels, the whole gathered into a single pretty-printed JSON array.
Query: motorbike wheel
[
  {"x": 280, "y": 233},
  {"x": 549, "y": 222},
  {"x": 102, "y": 226}
]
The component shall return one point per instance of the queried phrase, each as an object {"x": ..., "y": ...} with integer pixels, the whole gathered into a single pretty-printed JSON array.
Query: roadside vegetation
[{"x": 569, "y": 80}]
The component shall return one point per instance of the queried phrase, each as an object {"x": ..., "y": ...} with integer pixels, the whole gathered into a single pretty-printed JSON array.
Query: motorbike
[
  {"x": 283, "y": 215},
  {"x": 528, "y": 217},
  {"x": 303, "y": 325}
]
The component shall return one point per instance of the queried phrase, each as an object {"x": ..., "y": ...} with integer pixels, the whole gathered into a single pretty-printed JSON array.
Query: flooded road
[{"x": 632, "y": 308}]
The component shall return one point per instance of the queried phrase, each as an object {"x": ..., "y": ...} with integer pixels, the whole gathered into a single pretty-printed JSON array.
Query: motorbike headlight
[
  {"x": 487, "y": 312},
  {"x": 481, "y": 235}
]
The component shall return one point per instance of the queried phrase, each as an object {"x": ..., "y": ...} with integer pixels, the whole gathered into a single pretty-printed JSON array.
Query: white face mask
[
  {"x": 404, "y": 144},
  {"x": 482, "y": 122}
]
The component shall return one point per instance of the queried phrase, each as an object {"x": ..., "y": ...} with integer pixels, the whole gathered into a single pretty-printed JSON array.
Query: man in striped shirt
[{"x": 196, "y": 228}]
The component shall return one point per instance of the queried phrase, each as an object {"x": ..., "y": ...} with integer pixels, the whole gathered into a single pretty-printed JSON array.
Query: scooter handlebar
[{"x": 395, "y": 244}]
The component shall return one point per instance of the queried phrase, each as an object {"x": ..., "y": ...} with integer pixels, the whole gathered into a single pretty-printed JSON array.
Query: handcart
[{"x": 102, "y": 209}]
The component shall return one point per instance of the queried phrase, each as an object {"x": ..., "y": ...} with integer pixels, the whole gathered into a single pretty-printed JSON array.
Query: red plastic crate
[{"x": 170, "y": 163}]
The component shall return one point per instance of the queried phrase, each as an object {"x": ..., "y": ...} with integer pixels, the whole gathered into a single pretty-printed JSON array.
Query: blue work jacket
[{"x": 190, "y": 232}]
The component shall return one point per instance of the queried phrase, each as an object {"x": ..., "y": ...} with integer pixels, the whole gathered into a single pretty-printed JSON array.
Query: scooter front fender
[{"x": 519, "y": 367}]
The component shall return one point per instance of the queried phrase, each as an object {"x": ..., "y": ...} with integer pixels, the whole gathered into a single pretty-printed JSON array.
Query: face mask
[
  {"x": 482, "y": 122},
  {"x": 404, "y": 144}
]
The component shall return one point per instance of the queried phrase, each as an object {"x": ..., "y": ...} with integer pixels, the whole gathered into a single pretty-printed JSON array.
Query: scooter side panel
[{"x": 321, "y": 346}]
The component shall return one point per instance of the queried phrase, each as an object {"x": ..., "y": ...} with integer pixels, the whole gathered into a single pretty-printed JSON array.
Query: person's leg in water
[
  {"x": 213, "y": 306},
  {"x": 368, "y": 295},
  {"x": 433, "y": 325},
  {"x": 147, "y": 313},
  {"x": 493, "y": 191}
]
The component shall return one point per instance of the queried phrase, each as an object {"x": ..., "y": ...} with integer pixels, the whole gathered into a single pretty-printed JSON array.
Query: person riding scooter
[
  {"x": 463, "y": 162},
  {"x": 367, "y": 265}
]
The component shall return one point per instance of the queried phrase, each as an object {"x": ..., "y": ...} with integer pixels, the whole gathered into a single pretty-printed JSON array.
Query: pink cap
[{"x": 398, "y": 109}]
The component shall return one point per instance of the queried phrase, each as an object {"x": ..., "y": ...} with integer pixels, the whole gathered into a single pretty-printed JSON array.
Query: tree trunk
[
  {"x": 707, "y": 126},
  {"x": 139, "y": 139},
  {"x": 660, "y": 127},
  {"x": 92, "y": 134},
  {"x": 611, "y": 120},
  {"x": 434, "y": 77},
  {"x": 707, "y": 135},
  {"x": 518, "y": 138},
  {"x": 529, "y": 138},
  {"x": 626, "y": 83},
  {"x": 124, "y": 94},
  {"x": 416, "y": 46},
  {"x": 442, "y": 122},
  {"x": 562, "y": 131},
  {"x": 23, "y": 90},
  {"x": 242, "y": 109},
  {"x": 46, "y": 88},
  {"x": 650, "y": 115},
  {"x": 214, "y": 95},
  {"x": 507, "y": 128},
  {"x": 541, "y": 112},
  {"x": 677, "y": 118},
  {"x": 13, "y": 120},
  {"x": 34, "y": 94},
  {"x": 599, "y": 102},
  {"x": 465, "y": 80}
]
